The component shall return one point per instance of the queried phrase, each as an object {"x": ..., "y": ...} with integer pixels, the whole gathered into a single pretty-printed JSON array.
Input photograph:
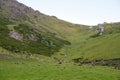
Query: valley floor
[{"x": 12, "y": 68}]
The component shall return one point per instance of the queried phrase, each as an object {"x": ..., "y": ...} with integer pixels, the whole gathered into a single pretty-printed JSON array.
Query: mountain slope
[
  {"x": 35, "y": 46},
  {"x": 29, "y": 31},
  {"x": 88, "y": 46},
  {"x": 22, "y": 30}
]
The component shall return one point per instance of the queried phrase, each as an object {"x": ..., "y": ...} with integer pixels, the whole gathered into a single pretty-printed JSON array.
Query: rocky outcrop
[
  {"x": 16, "y": 35},
  {"x": 100, "y": 27},
  {"x": 15, "y": 8}
]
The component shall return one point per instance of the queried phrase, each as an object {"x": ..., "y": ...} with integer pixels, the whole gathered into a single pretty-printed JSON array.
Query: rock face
[
  {"x": 100, "y": 27},
  {"x": 16, "y": 35},
  {"x": 16, "y": 7}
]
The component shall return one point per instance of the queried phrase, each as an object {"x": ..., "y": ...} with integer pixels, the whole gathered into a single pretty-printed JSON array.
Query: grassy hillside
[
  {"x": 22, "y": 30},
  {"x": 89, "y": 46},
  {"x": 35, "y": 46},
  {"x": 33, "y": 41}
]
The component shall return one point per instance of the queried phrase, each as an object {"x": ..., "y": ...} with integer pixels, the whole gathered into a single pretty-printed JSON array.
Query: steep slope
[
  {"x": 43, "y": 34},
  {"x": 22, "y": 30},
  {"x": 105, "y": 46},
  {"x": 19, "y": 13},
  {"x": 88, "y": 46}
]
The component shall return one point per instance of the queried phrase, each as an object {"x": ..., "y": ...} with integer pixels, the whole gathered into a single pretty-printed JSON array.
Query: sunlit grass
[{"x": 29, "y": 69}]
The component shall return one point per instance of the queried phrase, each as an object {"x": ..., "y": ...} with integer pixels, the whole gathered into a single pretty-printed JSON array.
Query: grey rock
[
  {"x": 100, "y": 27},
  {"x": 16, "y": 35}
]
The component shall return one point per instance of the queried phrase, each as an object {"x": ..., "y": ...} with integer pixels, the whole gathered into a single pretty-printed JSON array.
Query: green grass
[
  {"x": 11, "y": 27},
  {"x": 46, "y": 44},
  {"x": 104, "y": 47},
  {"x": 90, "y": 46},
  {"x": 30, "y": 69},
  {"x": 38, "y": 67},
  {"x": 83, "y": 44},
  {"x": 20, "y": 60}
]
